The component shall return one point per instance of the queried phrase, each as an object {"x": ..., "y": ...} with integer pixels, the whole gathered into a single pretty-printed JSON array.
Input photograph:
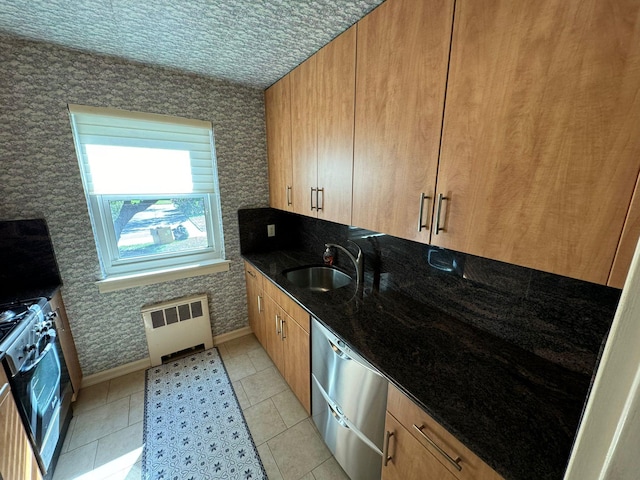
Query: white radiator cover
[{"x": 175, "y": 325}]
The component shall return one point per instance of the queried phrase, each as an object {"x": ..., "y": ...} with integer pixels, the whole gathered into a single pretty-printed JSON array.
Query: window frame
[{"x": 103, "y": 225}]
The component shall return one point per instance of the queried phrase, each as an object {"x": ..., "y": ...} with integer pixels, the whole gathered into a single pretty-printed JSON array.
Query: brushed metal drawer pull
[
  {"x": 385, "y": 448},
  {"x": 318, "y": 207},
  {"x": 259, "y": 304},
  {"x": 283, "y": 335},
  {"x": 453, "y": 462},
  {"x": 251, "y": 273},
  {"x": 314, "y": 190},
  {"x": 423, "y": 197},
  {"x": 277, "y": 325},
  {"x": 438, "y": 228},
  {"x": 288, "y": 195}
]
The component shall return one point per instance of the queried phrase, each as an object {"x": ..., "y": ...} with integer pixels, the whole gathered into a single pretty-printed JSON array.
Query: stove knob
[{"x": 30, "y": 348}]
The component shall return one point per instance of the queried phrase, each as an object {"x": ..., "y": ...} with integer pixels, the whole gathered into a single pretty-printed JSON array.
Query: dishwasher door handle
[{"x": 337, "y": 351}]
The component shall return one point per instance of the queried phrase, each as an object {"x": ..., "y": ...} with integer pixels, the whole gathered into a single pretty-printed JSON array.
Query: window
[{"x": 152, "y": 189}]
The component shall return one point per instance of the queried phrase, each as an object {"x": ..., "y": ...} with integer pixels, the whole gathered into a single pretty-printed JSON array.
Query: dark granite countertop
[{"x": 517, "y": 411}]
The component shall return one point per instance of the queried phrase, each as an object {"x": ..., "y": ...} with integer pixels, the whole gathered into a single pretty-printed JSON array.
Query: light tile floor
[{"x": 104, "y": 441}]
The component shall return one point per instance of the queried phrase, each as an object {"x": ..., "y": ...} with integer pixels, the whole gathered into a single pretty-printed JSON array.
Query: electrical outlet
[{"x": 271, "y": 230}]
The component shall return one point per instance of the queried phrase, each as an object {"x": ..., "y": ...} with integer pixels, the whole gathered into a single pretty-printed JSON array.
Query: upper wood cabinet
[
  {"x": 540, "y": 145},
  {"x": 278, "y": 118},
  {"x": 322, "y": 115},
  {"x": 304, "y": 137},
  {"x": 336, "y": 74},
  {"x": 403, "y": 50}
]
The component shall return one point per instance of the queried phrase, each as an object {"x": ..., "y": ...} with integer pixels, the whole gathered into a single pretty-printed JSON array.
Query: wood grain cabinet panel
[
  {"x": 540, "y": 146},
  {"x": 287, "y": 340},
  {"x": 255, "y": 302},
  {"x": 322, "y": 115},
  {"x": 278, "y": 119},
  {"x": 304, "y": 137},
  {"x": 68, "y": 345},
  {"x": 402, "y": 55},
  {"x": 421, "y": 426},
  {"x": 336, "y": 86},
  {"x": 17, "y": 461}
]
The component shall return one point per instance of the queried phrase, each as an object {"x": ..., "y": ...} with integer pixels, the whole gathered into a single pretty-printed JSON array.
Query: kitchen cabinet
[
  {"x": 17, "y": 461},
  {"x": 288, "y": 345},
  {"x": 65, "y": 337},
  {"x": 540, "y": 151},
  {"x": 255, "y": 302},
  {"x": 418, "y": 447},
  {"x": 322, "y": 116},
  {"x": 402, "y": 55},
  {"x": 278, "y": 119}
]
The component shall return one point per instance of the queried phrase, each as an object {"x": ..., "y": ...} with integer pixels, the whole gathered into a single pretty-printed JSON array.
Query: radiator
[{"x": 177, "y": 325}]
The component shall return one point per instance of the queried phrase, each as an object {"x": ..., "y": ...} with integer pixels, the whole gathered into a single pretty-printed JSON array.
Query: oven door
[{"x": 44, "y": 397}]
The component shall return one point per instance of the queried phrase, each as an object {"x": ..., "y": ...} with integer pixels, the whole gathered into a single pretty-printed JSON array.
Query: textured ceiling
[{"x": 252, "y": 42}]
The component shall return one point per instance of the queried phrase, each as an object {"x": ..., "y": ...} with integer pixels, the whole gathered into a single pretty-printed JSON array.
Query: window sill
[{"x": 122, "y": 282}]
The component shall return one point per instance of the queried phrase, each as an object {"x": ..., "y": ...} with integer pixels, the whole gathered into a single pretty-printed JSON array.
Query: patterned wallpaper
[
  {"x": 39, "y": 177},
  {"x": 249, "y": 42}
]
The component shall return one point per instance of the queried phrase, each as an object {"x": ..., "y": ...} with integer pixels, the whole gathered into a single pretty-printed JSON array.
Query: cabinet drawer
[
  {"x": 295, "y": 311},
  {"x": 254, "y": 274},
  {"x": 422, "y": 426}
]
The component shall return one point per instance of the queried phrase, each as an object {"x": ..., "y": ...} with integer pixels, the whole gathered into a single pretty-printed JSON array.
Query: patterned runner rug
[{"x": 194, "y": 428}]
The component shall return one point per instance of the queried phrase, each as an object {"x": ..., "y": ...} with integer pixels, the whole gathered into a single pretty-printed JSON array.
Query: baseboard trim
[
  {"x": 225, "y": 337},
  {"x": 115, "y": 372},
  {"x": 145, "y": 363}
]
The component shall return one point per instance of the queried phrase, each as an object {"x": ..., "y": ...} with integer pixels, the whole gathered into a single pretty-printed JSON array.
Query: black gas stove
[{"x": 14, "y": 317}]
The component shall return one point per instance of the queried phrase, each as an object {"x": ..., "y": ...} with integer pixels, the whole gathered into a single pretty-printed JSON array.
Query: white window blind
[{"x": 160, "y": 155}]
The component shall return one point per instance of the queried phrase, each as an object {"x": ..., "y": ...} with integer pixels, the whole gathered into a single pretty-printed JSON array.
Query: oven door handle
[{"x": 27, "y": 367}]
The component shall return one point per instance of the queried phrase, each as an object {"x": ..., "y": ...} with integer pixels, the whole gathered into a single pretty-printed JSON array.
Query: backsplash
[{"x": 557, "y": 318}]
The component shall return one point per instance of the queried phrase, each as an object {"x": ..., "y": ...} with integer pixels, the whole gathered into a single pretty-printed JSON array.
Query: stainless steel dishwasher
[{"x": 348, "y": 404}]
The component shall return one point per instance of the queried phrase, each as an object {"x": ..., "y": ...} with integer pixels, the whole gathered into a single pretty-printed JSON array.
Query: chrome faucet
[{"x": 358, "y": 260}]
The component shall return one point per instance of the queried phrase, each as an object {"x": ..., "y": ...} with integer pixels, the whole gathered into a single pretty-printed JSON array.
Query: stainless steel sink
[{"x": 317, "y": 278}]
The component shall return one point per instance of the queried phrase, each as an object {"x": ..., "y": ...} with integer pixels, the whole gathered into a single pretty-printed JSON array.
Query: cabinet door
[
  {"x": 68, "y": 345},
  {"x": 540, "y": 150},
  {"x": 336, "y": 74},
  {"x": 255, "y": 303},
  {"x": 278, "y": 117},
  {"x": 409, "y": 459},
  {"x": 275, "y": 347},
  {"x": 403, "y": 50},
  {"x": 17, "y": 461},
  {"x": 304, "y": 131},
  {"x": 297, "y": 360}
]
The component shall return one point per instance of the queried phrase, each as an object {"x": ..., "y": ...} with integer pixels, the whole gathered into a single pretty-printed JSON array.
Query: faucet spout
[{"x": 357, "y": 260}]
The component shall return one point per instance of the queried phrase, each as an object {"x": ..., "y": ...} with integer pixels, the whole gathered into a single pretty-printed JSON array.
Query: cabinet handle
[
  {"x": 453, "y": 462},
  {"x": 337, "y": 351},
  {"x": 385, "y": 448},
  {"x": 313, "y": 190},
  {"x": 277, "y": 325},
  {"x": 318, "y": 207},
  {"x": 251, "y": 273},
  {"x": 284, "y": 335},
  {"x": 423, "y": 197},
  {"x": 259, "y": 304},
  {"x": 288, "y": 195},
  {"x": 441, "y": 197}
]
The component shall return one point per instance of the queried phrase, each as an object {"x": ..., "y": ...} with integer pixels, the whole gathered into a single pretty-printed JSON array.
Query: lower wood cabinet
[
  {"x": 17, "y": 461},
  {"x": 282, "y": 327},
  {"x": 67, "y": 343},
  {"x": 418, "y": 447},
  {"x": 255, "y": 301}
]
